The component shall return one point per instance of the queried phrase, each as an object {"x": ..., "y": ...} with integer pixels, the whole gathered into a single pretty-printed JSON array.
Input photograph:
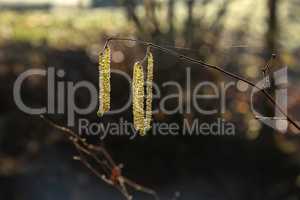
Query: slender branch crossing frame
[{"x": 209, "y": 66}]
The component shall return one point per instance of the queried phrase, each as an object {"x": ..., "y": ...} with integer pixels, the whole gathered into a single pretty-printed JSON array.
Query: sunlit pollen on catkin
[
  {"x": 138, "y": 97},
  {"x": 148, "y": 114},
  {"x": 104, "y": 81}
]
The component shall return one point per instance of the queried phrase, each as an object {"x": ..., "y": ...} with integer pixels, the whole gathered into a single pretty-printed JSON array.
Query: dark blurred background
[{"x": 257, "y": 163}]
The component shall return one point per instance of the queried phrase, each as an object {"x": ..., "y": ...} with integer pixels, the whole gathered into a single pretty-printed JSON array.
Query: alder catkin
[
  {"x": 149, "y": 95},
  {"x": 104, "y": 82},
  {"x": 138, "y": 97}
]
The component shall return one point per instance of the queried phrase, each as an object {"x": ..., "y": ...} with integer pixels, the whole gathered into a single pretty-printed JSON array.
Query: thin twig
[
  {"x": 210, "y": 66},
  {"x": 85, "y": 150}
]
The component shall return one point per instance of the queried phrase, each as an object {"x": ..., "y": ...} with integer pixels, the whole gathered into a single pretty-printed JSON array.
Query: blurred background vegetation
[{"x": 238, "y": 35}]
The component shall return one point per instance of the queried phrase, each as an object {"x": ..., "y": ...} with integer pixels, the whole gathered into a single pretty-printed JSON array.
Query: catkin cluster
[
  {"x": 138, "y": 97},
  {"x": 104, "y": 81},
  {"x": 149, "y": 92},
  {"x": 142, "y": 103},
  {"x": 141, "y": 118}
]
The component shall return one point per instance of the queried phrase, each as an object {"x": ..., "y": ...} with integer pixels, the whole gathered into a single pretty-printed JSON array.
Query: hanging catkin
[
  {"x": 104, "y": 81},
  {"x": 138, "y": 97},
  {"x": 148, "y": 115}
]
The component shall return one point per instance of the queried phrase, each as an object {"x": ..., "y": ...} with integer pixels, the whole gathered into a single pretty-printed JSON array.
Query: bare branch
[
  {"x": 213, "y": 67},
  {"x": 92, "y": 156}
]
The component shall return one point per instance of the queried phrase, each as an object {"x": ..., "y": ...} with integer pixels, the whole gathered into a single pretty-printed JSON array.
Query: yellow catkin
[
  {"x": 104, "y": 82},
  {"x": 138, "y": 97},
  {"x": 148, "y": 116}
]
